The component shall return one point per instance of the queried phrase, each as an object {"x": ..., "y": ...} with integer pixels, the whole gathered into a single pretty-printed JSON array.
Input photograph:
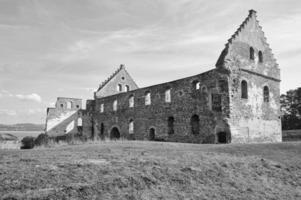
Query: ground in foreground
[{"x": 151, "y": 170}]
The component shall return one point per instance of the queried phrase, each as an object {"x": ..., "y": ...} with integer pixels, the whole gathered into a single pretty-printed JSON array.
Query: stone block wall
[
  {"x": 187, "y": 99},
  {"x": 64, "y": 118}
]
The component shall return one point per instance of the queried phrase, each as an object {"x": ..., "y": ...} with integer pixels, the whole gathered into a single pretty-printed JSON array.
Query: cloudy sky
[{"x": 56, "y": 48}]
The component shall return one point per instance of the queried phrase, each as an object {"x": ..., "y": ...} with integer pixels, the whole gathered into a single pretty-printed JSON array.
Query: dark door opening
[
  {"x": 170, "y": 125},
  {"x": 115, "y": 134},
  {"x": 152, "y": 134},
  {"x": 222, "y": 138},
  {"x": 195, "y": 124}
]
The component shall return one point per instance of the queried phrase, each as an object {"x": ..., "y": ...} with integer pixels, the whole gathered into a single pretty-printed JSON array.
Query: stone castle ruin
[{"x": 236, "y": 102}]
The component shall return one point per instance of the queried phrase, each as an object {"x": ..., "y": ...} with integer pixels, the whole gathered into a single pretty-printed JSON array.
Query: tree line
[{"x": 290, "y": 106}]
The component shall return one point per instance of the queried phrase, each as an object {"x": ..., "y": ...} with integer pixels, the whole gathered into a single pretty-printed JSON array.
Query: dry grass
[{"x": 152, "y": 170}]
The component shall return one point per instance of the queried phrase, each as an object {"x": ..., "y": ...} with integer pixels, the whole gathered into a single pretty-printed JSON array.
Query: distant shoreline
[{"x": 22, "y": 134}]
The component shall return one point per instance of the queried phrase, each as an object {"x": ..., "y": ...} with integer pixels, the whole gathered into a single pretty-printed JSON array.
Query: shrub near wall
[
  {"x": 42, "y": 139},
  {"x": 27, "y": 142}
]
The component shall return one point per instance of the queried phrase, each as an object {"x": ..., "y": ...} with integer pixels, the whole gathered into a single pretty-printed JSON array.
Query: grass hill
[
  {"x": 22, "y": 127},
  {"x": 152, "y": 170}
]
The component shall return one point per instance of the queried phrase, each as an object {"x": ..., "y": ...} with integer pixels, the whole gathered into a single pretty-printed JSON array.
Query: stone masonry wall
[
  {"x": 252, "y": 119},
  {"x": 64, "y": 117},
  {"x": 186, "y": 101}
]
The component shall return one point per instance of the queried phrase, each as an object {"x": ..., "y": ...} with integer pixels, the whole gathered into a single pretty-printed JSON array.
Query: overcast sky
[{"x": 67, "y": 48}]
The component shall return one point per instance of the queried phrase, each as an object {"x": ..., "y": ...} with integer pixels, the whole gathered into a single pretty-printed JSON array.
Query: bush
[
  {"x": 42, "y": 139},
  {"x": 27, "y": 142}
]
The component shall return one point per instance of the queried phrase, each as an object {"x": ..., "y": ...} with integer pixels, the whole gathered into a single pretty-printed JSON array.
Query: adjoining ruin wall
[
  {"x": 186, "y": 101},
  {"x": 64, "y": 118}
]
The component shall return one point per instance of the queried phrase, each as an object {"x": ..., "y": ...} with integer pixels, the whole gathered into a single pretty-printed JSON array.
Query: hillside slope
[
  {"x": 151, "y": 170},
  {"x": 22, "y": 127}
]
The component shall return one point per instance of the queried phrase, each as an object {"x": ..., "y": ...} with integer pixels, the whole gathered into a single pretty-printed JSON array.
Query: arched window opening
[
  {"x": 195, "y": 124},
  {"x": 204, "y": 89},
  {"x": 170, "y": 125},
  {"x": 102, "y": 108},
  {"x": 196, "y": 85},
  {"x": 80, "y": 122},
  {"x": 152, "y": 134},
  {"x": 244, "y": 89},
  {"x": 252, "y": 53},
  {"x": 131, "y": 101},
  {"x": 147, "y": 98},
  {"x": 80, "y": 125},
  {"x": 115, "y": 105},
  {"x": 260, "y": 56},
  {"x": 127, "y": 88},
  {"x": 115, "y": 134},
  {"x": 119, "y": 88},
  {"x": 167, "y": 96},
  {"x": 69, "y": 105},
  {"x": 266, "y": 94},
  {"x": 131, "y": 126}
]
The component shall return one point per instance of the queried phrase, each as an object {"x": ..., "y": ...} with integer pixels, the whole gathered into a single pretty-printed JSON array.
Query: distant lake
[{"x": 21, "y": 134}]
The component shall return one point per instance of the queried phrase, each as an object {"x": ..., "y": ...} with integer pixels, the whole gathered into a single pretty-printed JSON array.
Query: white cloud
[
  {"x": 35, "y": 111},
  {"x": 31, "y": 97},
  {"x": 8, "y": 112}
]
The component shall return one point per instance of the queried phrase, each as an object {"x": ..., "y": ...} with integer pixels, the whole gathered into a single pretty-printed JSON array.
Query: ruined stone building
[{"x": 237, "y": 101}]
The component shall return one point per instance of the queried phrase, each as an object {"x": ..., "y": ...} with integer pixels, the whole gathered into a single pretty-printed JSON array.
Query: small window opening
[
  {"x": 80, "y": 122},
  {"x": 266, "y": 94},
  {"x": 195, "y": 124},
  {"x": 80, "y": 125},
  {"x": 127, "y": 88},
  {"x": 69, "y": 105},
  {"x": 147, "y": 98},
  {"x": 102, "y": 108},
  {"x": 204, "y": 89},
  {"x": 170, "y": 124},
  {"x": 62, "y": 105},
  {"x": 119, "y": 88},
  {"x": 244, "y": 89},
  {"x": 196, "y": 85},
  {"x": 102, "y": 130},
  {"x": 167, "y": 96},
  {"x": 251, "y": 53},
  {"x": 131, "y": 126},
  {"x": 115, "y": 105},
  {"x": 152, "y": 134},
  {"x": 260, "y": 56},
  {"x": 216, "y": 104},
  {"x": 131, "y": 101}
]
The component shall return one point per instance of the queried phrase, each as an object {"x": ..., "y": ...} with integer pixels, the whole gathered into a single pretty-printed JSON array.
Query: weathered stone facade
[
  {"x": 237, "y": 102},
  {"x": 64, "y": 117}
]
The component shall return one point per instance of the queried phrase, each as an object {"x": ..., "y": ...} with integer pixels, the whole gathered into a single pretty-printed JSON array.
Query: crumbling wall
[
  {"x": 63, "y": 119},
  {"x": 186, "y": 101}
]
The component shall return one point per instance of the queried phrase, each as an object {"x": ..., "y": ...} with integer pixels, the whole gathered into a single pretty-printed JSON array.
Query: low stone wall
[{"x": 291, "y": 135}]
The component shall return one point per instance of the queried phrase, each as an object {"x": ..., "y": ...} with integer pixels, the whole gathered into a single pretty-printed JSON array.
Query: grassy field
[{"x": 152, "y": 170}]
